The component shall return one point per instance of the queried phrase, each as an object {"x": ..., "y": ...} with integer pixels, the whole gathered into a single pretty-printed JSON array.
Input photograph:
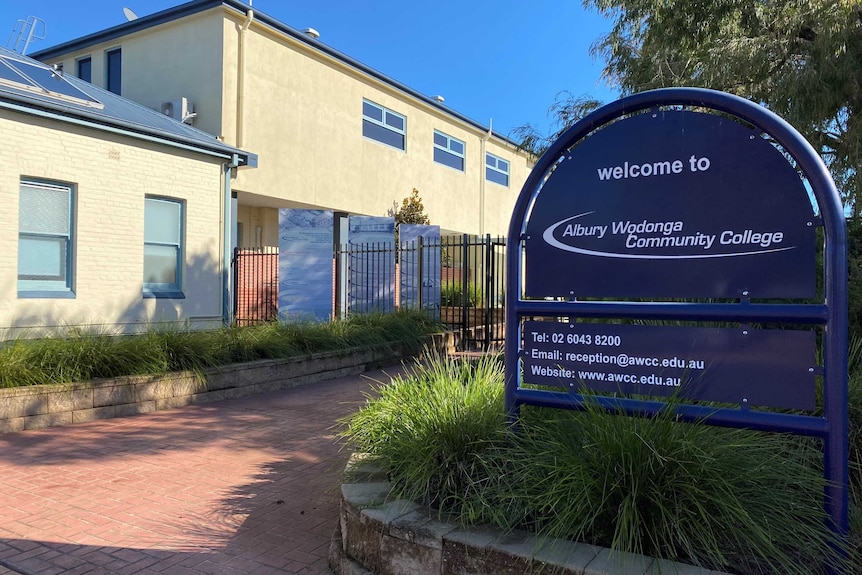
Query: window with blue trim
[
  {"x": 384, "y": 125},
  {"x": 114, "y": 70},
  {"x": 496, "y": 169},
  {"x": 448, "y": 151},
  {"x": 45, "y": 239},
  {"x": 163, "y": 247},
  {"x": 85, "y": 69}
]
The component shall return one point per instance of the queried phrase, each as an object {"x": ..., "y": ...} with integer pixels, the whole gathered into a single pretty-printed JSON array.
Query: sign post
[{"x": 686, "y": 220}]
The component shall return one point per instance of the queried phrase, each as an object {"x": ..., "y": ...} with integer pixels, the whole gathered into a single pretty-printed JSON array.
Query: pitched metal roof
[
  {"x": 196, "y": 6},
  {"x": 75, "y": 101}
]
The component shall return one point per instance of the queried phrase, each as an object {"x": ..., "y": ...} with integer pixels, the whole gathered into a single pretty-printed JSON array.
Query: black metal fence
[
  {"x": 255, "y": 285},
  {"x": 473, "y": 289},
  {"x": 459, "y": 280}
]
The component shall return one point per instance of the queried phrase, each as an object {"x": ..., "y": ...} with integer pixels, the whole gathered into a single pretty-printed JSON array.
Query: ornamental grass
[
  {"x": 82, "y": 354},
  {"x": 731, "y": 500}
]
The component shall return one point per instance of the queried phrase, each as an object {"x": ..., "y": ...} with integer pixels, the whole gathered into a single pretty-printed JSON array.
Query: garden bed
[
  {"x": 652, "y": 487},
  {"x": 39, "y": 406},
  {"x": 378, "y": 534}
]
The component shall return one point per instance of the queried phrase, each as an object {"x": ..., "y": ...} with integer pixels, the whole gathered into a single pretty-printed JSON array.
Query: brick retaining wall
[
  {"x": 39, "y": 406},
  {"x": 380, "y": 535}
]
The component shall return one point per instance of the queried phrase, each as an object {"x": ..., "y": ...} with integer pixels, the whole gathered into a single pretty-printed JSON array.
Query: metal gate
[
  {"x": 462, "y": 277},
  {"x": 255, "y": 283},
  {"x": 472, "y": 289}
]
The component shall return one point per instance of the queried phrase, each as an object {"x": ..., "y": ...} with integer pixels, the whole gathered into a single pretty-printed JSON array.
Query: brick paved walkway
[{"x": 247, "y": 486}]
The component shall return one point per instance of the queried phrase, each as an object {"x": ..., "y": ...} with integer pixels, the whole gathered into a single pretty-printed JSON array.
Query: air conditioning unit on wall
[{"x": 180, "y": 109}]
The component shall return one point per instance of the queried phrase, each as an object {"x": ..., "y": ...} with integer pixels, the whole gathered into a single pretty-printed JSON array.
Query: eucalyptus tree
[
  {"x": 799, "y": 58},
  {"x": 565, "y": 111}
]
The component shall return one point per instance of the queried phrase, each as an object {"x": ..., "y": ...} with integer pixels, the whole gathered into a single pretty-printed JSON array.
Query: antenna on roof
[{"x": 129, "y": 14}]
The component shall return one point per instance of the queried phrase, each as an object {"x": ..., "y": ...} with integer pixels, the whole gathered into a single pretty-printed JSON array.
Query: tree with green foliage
[
  {"x": 799, "y": 58},
  {"x": 411, "y": 211},
  {"x": 565, "y": 111}
]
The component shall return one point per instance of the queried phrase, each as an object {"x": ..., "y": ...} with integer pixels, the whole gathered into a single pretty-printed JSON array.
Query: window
[
  {"x": 448, "y": 151},
  {"x": 163, "y": 247},
  {"x": 114, "y": 70},
  {"x": 383, "y": 125},
  {"x": 496, "y": 170},
  {"x": 45, "y": 239},
  {"x": 85, "y": 69}
]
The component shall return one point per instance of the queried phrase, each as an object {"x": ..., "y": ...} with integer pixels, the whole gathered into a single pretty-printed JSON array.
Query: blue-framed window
[
  {"x": 496, "y": 169},
  {"x": 383, "y": 125},
  {"x": 85, "y": 69},
  {"x": 114, "y": 70},
  {"x": 448, "y": 151},
  {"x": 45, "y": 239},
  {"x": 163, "y": 247}
]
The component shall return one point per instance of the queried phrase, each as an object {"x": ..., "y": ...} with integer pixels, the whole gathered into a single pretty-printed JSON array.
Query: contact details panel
[{"x": 749, "y": 367}]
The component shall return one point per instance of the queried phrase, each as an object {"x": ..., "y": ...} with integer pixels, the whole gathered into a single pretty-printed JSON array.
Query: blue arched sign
[
  {"x": 694, "y": 195},
  {"x": 672, "y": 204}
]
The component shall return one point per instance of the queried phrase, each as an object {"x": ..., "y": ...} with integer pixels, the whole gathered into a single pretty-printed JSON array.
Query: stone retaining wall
[
  {"x": 39, "y": 406},
  {"x": 379, "y": 535}
]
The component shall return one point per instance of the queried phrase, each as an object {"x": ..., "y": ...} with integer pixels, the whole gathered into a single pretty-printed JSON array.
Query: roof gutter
[
  {"x": 240, "y": 81},
  {"x": 482, "y": 167},
  {"x": 82, "y": 118},
  {"x": 227, "y": 243}
]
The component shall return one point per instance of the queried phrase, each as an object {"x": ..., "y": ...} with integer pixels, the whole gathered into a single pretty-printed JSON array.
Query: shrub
[
  {"x": 454, "y": 295},
  {"x": 80, "y": 354},
  {"x": 854, "y": 409},
  {"x": 75, "y": 355},
  {"x": 721, "y": 498},
  {"x": 432, "y": 429}
]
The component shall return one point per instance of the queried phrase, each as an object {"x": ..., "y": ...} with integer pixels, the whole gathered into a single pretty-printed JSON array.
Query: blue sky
[{"x": 499, "y": 61}]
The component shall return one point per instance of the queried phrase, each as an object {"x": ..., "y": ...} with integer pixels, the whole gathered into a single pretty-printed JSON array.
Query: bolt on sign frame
[{"x": 683, "y": 194}]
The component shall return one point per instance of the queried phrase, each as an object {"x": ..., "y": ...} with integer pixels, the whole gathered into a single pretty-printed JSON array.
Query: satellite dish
[{"x": 129, "y": 14}]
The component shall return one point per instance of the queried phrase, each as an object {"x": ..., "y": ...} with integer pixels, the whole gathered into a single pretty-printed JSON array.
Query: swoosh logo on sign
[{"x": 549, "y": 238}]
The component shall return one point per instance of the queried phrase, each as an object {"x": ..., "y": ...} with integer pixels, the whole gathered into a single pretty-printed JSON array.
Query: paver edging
[
  {"x": 380, "y": 535},
  {"x": 39, "y": 406}
]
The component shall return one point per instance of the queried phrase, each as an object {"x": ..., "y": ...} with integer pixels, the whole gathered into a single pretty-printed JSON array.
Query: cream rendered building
[
  {"x": 113, "y": 214},
  {"x": 330, "y": 132}
]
